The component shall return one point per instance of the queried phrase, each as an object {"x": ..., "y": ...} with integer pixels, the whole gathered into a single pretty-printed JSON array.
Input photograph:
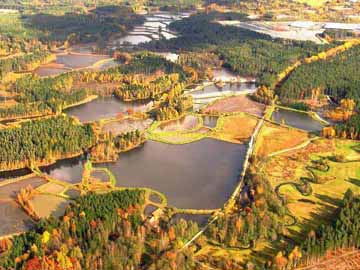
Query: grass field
[
  {"x": 330, "y": 187},
  {"x": 235, "y": 128},
  {"x": 273, "y": 138}
]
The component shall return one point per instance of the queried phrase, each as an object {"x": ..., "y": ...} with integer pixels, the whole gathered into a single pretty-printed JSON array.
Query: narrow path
[
  {"x": 239, "y": 187},
  {"x": 300, "y": 146}
]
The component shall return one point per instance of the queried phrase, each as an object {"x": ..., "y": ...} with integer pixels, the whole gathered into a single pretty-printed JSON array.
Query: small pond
[
  {"x": 210, "y": 121},
  {"x": 68, "y": 170},
  {"x": 13, "y": 219},
  {"x": 297, "y": 120}
]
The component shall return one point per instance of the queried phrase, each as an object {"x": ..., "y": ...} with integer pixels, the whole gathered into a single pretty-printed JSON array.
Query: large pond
[
  {"x": 66, "y": 61},
  {"x": 199, "y": 175},
  {"x": 104, "y": 107},
  {"x": 297, "y": 120}
]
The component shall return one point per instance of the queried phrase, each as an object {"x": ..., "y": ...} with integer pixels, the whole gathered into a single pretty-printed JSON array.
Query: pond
[
  {"x": 5, "y": 175},
  {"x": 210, "y": 121},
  {"x": 68, "y": 170},
  {"x": 226, "y": 75},
  {"x": 228, "y": 87},
  {"x": 104, "y": 107},
  {"x": 9, "y": 192},
  {"x": 187, "y": 122},
  {"x": 198, "y": 175},
  {"x": 297, "y": 120},
  {"x": 13, "y": 219},
  {"x": 78, "y": 60},
  {"x": 133, "y": 39}
]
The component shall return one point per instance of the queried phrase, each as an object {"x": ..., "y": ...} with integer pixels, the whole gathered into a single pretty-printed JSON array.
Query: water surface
[
  {"x": 13, "y": 219},
  {"x": 78, "y": 60},
  {"x": 235, "y": 87},
  {"x": 210, "y": 121},
  {"x": 104, "y": 107},
  {"x": 199, "y": 175},
  {"x": 297, "y": 120},
  {"x": 68, "y": 170}
]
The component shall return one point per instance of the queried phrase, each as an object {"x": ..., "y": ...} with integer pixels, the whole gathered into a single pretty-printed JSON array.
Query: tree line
[
  {"x": 41, "y": 140},
  {"x": 336, "y": 76},
  {"x": 25, "y": 62}
]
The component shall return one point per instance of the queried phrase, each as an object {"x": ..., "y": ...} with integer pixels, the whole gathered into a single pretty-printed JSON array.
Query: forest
[
  {"x": 101, "y": 232},
  {"x": 41, "y": 140},
  {"x": 265, "y": 59},
  {"x": 147, "y": 76},
  {"x": 109, "y": 146},
  {"x": 42, "y": 96},
  {"x": 336, "y": 77}
]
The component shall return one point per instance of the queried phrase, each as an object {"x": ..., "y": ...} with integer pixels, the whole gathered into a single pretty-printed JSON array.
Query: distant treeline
[{"x": 96, "y": 25}]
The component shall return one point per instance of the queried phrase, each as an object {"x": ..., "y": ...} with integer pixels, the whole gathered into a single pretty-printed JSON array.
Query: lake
[
  {"x": 104, "y": 107},
  {"x": 198, "y": 175}
]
